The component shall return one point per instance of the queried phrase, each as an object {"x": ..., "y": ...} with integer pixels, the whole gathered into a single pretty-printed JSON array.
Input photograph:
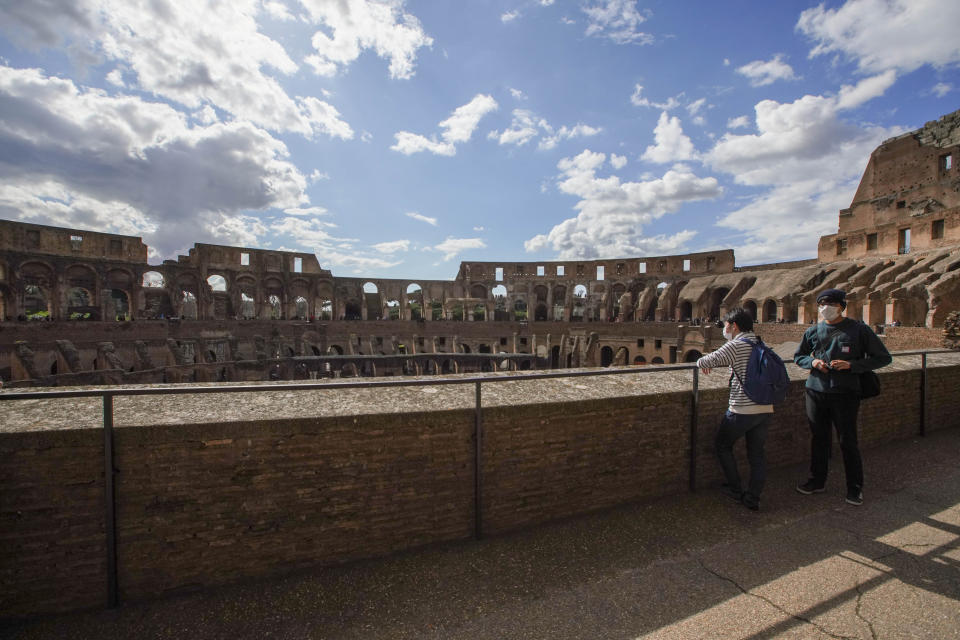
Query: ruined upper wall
[
  {"x": 223, "y": 257},
  {"x": 908, "y": 198},
  {"x": 22, "y": 237}
]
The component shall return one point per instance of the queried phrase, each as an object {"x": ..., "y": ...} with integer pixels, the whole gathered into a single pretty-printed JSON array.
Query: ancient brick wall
[{"x": 208, "y": 503}]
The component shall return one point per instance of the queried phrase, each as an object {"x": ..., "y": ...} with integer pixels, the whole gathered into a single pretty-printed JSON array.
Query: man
[
  {"x": 744, "y": 418},
  {"x": 836, "y": 351}
]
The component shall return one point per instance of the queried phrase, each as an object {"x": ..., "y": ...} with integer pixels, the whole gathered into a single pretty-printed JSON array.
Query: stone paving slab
[{"x": 689, "y": 566}]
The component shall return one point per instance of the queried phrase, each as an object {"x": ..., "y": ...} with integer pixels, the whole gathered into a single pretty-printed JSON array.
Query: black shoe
[
  {"x": 809, "y": 487},
  {"x": 855, "y": 497},
  {"x": 735, "y": 494},
  {"x": 750, "y": 501}
]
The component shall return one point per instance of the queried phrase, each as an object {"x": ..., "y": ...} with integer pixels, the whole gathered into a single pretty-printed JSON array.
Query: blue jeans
[{"x": 753, "y": 427}]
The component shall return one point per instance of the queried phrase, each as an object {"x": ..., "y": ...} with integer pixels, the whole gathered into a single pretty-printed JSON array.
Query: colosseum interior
[{"x": 81, "y": 307}]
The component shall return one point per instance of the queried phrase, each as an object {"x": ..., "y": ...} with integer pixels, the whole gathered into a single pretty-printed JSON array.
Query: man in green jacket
[{"x": 836, "y": 351}]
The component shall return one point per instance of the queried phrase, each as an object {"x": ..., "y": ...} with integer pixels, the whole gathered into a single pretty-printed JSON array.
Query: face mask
[
  {"x": 829, "y": 313},
  {"x": 728, "y": 334}
]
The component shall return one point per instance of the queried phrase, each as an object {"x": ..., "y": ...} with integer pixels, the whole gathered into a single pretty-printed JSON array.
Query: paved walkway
[{"x": 691, "y": 566}]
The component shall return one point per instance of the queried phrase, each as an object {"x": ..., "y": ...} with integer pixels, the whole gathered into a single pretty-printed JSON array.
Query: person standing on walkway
[
  {"x": 836, "y": 351},
  {"x": 744, "y": 418}
]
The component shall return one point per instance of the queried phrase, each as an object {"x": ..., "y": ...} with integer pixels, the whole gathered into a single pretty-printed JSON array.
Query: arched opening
[
  {"x": 334, "y": 350},
  {"x": 448, "y": 366},
  {"x": 616, "y": 292},
  {"x": 456, "y": 312},
  {"x": 119, "y": 306},
  {"x": 35, "y": 305},
  {"x": 559, "y": 302},
  {"x": 579, "y": 303},
  {"x": 247, "y": 307},
  {"x": 188, "y": 303},
  {"x": 349, "y": 370},
  {"x": 520, "y": 309},
  {"x": 371, "y": 299},
  {"x": 555, "y": 357},
  {"x": 751, "y": 307},
  {"x": 640, "y": 360},
  {"x": 478, "y": 291},
  {"x": 685, "y": 310},
  {"x": 465, "y": 348},
  {"x": 483, "y": 348},
  {"x": 80, "y": 305},
  {"x": 415, "y": 301},
  {"x": 499, "y": 293},
  {"x": 436, "y": 310},
  {"x": 479, "y": 313},
  {"x": 352, "y": 310},
  {"x": 692, "y": 356},
  {"x": 324, "y": 309},
  {"x": 152, "y": 280},
  {"x": 769, "y": 311},
  {"x": 393, "y": 309},
  {"x": 273, "y": 307},
  {"x": 657, "y": 360},
  {"x": 606, "y": 356},
  {"x": 300, "y": 308},
  {"x": 540, "y": 313},
  {"x": 218, "y": 284}
]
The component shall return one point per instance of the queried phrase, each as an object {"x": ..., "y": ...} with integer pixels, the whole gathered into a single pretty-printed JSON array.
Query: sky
[{"x": 395, "y": 138}]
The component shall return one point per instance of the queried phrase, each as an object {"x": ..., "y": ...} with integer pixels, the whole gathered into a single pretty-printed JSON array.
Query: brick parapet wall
[{"x": 212, "y": 502}]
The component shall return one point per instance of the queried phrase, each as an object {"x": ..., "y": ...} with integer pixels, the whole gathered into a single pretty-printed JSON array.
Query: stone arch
[
  {"x": 217, "y": 283},
  {"x": 657, "y": 360},
  {"x": 273, "y": 299},
  {"x": 352, "y": 309},
  {"x": 606, "y": 356},
  {"x": 555, "y": 356},
  {"x": 540, "y": 313},
  {"x": 478, "y": 291},
  {"x": 371, "y": 301},
  {"x": 80, "y": 305},
  {"x": 520, "y": 309},
  {"x": 579, "y": 303},
  {"x": 640, "y": 360},
  {"x": 692, "y": 355},
  {"x": 479, "y": 312},
  {"x": 415, "y": 306},
  {"x": 714, "y": 303},
  {"x": 684, "y": 311},
  {"x": 616, "y": 292},
  {"x": 188, "y": 305},
  {"x": 38, "y": 279},
  {"x": 559, "y": 302},
  {"x": 334, "y": 349},
  {"x": 120, "y": 293},
  {"x": 769, "y": 311},
  {"x": 750, "y": 307},
  {"x": 499, "y": 294},
  {"x": 301, "y": 308}
]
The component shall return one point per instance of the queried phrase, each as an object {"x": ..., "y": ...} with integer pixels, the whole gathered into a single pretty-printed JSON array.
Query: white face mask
[
  {"x": 829, "y": 312},
  {"x": 728, "y": 334}
]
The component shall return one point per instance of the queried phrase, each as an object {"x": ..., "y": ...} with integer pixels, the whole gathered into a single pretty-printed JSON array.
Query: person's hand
[
  {"x": 840, "y": 365},
  {"x": 706, "y": 371},
  {"x": 820, "y": 365}
]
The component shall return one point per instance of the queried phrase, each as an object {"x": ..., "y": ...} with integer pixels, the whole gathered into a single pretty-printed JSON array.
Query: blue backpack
[{"x": 766, "y": 380}]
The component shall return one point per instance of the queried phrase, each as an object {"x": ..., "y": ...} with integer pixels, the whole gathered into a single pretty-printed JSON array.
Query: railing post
[
  {"x": 478, "y": 466},
  {"x": 109, "y": 472},
  {"x": 693, "y": 429},
  {"x": 923, "y": 394}
]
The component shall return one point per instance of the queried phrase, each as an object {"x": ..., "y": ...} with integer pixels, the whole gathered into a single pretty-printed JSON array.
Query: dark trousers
[
  {"x": 837, "y": 410},
  {"x": 754, "y": 428}
]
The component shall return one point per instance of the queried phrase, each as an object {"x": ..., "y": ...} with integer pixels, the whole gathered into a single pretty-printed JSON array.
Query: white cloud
[
  {"x": 672, "y": 145},
  {"x": 149, "y": 168},
  {"x": 392, "y": 246},
  {"x": 187, "y": 52},
  {"x": 618, "y": 162},
  {"x": 526, "y": 125},
  {"x": 306, "y": 211},
  {"x": 317, "y": 176},
  {"x": 866, "y": 89},
  {"x": 277, "y": 10},
  {"x": 762, "y": 73},
  {"x": 546, "y": 3},
  {"x": 517, "y": 94},
  {"x": 453, "y": 246},
  {"x": 740, "y": 122},
  {"x": 638, "y": 100},
  {"x": 115, "y": 78},
  {"x": 478, "y": 228},
  {"x": 509, "y": 16},
  {"x": 417, "y": 216},
  {"x": 459, "y": 127},
  {"x": 357, "y": 25},
  {"x": 807, "y": 161},
  {"x": 612, "y": 214},
  {"x": 616, "y": 20},
  {"x": 694, "y": 107},
  {"x": 882, "y": 35},
  {"x": 941, "y": 89},
  {"x": 358, "y": 264}
]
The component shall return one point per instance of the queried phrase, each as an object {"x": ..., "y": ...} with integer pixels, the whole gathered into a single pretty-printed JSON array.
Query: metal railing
[{"x": 107, "y": 395}]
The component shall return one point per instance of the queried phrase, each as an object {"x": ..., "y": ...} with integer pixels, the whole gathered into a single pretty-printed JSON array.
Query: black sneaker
[
  {"x": 735, "y": 494},
  {"x": 855, "y": 497},
  {"x": 809, "y": 487},
  {"x": 750, "y": 501}
]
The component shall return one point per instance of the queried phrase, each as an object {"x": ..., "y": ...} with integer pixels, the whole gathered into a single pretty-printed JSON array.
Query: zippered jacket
[{"x": 849, "y": 340}]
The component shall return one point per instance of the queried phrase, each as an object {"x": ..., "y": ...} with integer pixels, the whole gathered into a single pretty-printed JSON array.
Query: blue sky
[{"x": 394, "y": 139}]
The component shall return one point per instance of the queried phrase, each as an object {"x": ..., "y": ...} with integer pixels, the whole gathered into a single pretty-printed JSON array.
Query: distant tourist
[
  {"x": 836, "y": 351},
  {"x": 744, "y": 418}
]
